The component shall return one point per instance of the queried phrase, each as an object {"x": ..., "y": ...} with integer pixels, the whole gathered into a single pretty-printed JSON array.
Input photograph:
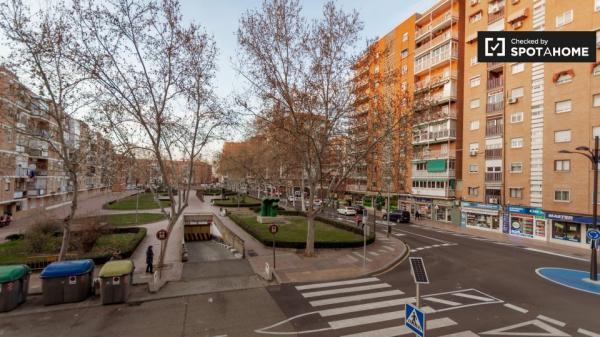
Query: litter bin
[
  {"x": 67, "y": 281},
  {"x": 116, "y": 278},
  {"x": 14, "y": 285}
]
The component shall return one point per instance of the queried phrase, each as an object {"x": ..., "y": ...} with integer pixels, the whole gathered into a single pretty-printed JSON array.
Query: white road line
[
  {"x": 373, "y": 253},
  {"x": 366, "y": 306},
  {"x": 419, "y": 248},
  {"x": 361, "y": 256},
  {"x": 353, "y": 298},
  {"x": 352, "y": 258},
  {"x": 435, "y": 246},
  {"x": 398, "y": 234},
  {"x": 425, "y": 236},
  {"x": 426, "y": 247},
  {"x": 428, "y": 310},
  {"x": 474, "y": 297},
  {"x": 413, "y": 250},
  {"x": 381, "y": 251},
  {"x": 587, "y": 333},
  {"x": 439, "y": 300},
  {"x": 402, "y": 330},
  {"x": 447, "y": 244},
  {"x": 551, "y": 320},
  {"x": 467, "y": 333},
  {"x": 337, "y": 283},
  {"x": 388, "y": 248},
  {"x": 355, "y": 321},
  {"x": 516, "y": 308},
  {"x": 556, "y": 254},
  {"x": 345, "y": 290}
]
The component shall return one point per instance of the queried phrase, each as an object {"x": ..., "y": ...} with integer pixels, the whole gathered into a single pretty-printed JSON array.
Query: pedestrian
[
  {"x": 149, "y": 260},
  {"x": 417, "y": 215}
]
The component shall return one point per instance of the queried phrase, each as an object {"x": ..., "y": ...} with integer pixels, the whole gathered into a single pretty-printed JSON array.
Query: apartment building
[
  {"x": 437, "y": 112},
  {"x": 517, "y": 119},
  {"x": 32, "y": 176}
]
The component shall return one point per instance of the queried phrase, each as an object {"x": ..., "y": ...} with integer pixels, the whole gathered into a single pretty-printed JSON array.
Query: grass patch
[
  {"x": 121, "y": 220},
  {"x": 146, "y": 202},
  {"x": 293, "y": 233}
]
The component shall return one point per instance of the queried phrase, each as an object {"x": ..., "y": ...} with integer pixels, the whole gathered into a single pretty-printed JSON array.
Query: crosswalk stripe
[
  {"x": 402, "y": 330},
  {"x": 353, "y": 298},
  {"x": 366, "y": 306},
  {"x": 474, "y": 297},
  {"x": 467, "y": 333},
  {"x": 439, "y": 300},
  {"x": 388, "y": 248},
  {"x": 337, "y": 283},
  {"x": 352, "y": 258},
  {"x": 361, "y": 256},
  {"x": 345, "y": 290},
  {"x": 369, "y": 319},
  {"x": 398, "y": 234},
  {"x": 373, "y": 253}
]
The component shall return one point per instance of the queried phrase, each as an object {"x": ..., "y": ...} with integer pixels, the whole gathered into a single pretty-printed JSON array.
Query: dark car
[
  {"x": 359, "y": 208},
  {"x": 399, "y": 216}
]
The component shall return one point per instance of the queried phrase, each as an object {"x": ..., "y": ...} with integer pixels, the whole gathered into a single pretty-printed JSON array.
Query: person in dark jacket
[{"x": 149, "y": 260}]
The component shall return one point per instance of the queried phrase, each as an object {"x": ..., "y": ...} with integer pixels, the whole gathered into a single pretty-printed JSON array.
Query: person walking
[
  {"x": 417, "y": 215},
  {"x": 149, "y": 260}
]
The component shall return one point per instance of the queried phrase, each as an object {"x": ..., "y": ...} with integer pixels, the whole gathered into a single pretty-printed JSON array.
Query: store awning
[
  {"x": 436, "y": 165},
  {"x": 520, "y": 14}
]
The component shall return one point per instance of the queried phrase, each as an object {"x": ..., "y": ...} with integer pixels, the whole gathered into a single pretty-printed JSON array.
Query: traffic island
[{"x": 571, "y": 278}]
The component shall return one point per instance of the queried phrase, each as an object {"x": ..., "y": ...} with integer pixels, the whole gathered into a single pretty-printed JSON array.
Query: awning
[
  {"x": 471, "y": 38},
  {"x": 520, "y": 14},
  {"x": 436, "y": 165}
]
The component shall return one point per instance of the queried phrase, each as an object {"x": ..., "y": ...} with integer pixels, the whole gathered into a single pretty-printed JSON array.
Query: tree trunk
[
  {"x": 64, "y": 247},
  {"x": 310, "y": 235},
  {"x": 302, "y": 195}
]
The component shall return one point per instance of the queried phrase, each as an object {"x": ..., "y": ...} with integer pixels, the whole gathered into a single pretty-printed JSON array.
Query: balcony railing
[
  {"x": 433, "y": 82},
  {"x": 493, "y": 198},
  {"x": 435, "y": 136},
  {"x": 19, "y": 194},
  {"x": 493, "y": 131},
  {"x": 41, "y": 173},
  {"x": 493, "y": 17},
  {"x": 357, "y": 188},
  {"x": 434, "y": 192},
  {"x": 436, "y": 41},
  {"x": 432, "y": 61},
  {"x": 432, "y": 154},
  {"x": 426, "y": 174},
  {"x": 37, "y": 152},
  {"x": 495, "y": 107},
  {"x": 493, "y": 154},
  {"x": 425, "y": 117},
  {"x": 493, "y": 176},
  {"x": 495, "y": 83},
  {"x": 22, "y": 172},
  {"x": 41, "y": 133},
  {"x": 435, "y": 23}
]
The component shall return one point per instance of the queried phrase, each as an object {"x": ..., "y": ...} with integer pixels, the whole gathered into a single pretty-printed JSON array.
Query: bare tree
[{"x": 42, "y": 45}]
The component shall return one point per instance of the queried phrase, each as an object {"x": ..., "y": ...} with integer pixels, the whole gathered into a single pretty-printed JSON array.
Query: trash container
[
  {"x": 116, "y": 278},
  {"x": 14, "y": 285},
  {"x": 67, "y": 281}
]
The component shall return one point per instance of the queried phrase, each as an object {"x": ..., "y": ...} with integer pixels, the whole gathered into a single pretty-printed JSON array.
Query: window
[
  {"x": 473, "y": 147},
  {"x": 596, "y": 70},
  {"x": 516, "y": 117},
  {"x": 474, "y": 60},
  {"x": 516, "y": 193},
  {"x": 564, "y": 18},
  {"x": 474, "y": 125},
  {"x": 473, "y": 168},
  {"x": 562, "y": 195},
  {"x": 562, "y": 106},
  {"x": 405, "y": 37},
  {"x": 474, "y": 103},
  {"x": 475, "y": 81},
  {"x": 564, "y": 78},
  {"x": 404, "y": 53},
  {"x": 404, "y": 69},
  {"x": 475, "y": 17},
  {"x": 597, "y": 5},
  {"x": 562, "y": 165},
  {"x": 474, "y": 191},
  {"x": 517, "y": 92},
  {"x": 595, "y": 131},
  {"x": 563, "y": 136},
  {"x": 516, "y": 167},
  {"x": 596, "y": 100},
  {"x": 516, "y": 143},
  {"x": 517, "y": 68}
]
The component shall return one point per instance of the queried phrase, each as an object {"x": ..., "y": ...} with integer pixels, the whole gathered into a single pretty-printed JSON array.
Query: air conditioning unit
[
  {"x": 512, "y": 100},
  {"x": 517, "y": 25},
  {"x": 473, "y": 152},
  {"x": 493, "y": 201}
]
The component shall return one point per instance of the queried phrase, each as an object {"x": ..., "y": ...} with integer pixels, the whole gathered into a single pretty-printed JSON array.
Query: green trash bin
[
  {"x": 116, "y": 278},
  {"x": 14, "y": 285}
]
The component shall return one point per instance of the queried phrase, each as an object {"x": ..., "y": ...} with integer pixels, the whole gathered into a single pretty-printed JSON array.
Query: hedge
[{"x": 229, "y": 202}]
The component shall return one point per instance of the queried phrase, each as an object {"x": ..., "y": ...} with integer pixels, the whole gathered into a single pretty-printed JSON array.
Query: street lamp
[{"x": 593, "y": 157}]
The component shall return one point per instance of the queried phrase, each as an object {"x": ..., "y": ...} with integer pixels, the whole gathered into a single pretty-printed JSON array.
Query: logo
[
  {"x": 571, "y": 46},
  {"x": 495, "y": 46}
]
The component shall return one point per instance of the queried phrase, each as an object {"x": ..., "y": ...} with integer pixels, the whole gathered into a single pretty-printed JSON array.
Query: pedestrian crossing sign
[{"x": 414, "y": 319}]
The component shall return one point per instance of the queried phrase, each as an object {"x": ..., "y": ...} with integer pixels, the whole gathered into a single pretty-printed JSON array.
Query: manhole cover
[{"x": 251, "y": 252}]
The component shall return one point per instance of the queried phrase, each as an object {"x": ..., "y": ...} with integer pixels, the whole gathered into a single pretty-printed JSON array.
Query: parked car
[
  {"x": 399, "y": 216},
  {"x": 359, "y": 208},
  {"x": 317, "y": 202},
  {"x": 346, "y": 210}
]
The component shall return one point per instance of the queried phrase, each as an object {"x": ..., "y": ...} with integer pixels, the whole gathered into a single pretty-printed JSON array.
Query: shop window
[
  {"x": 568, "y": 231},
  {"x": 562, "y": 165},
  {"x": 562, "y": 195}
]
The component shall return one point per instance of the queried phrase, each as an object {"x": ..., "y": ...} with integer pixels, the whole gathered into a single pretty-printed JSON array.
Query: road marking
[
  {"x": 447, "y": 244},
  {"x": 366, "y": 306},
  {"x": 467, "y": 333},
  {"x": 361, "y": 256},
  {"x": 509, "y": 330},
  {"x": 426, "y": 247},
  {"x": 551, "y": 320},
  {"x": 474, "y": 297},
  {"x": 402, "y": 330},
  {"x": 373, "y": 253},
  {"x": 337, "y": 283},
  {"x": 353, "y": 298},
  {"x": 389, "y": 248},
  {"x": 587, "y": 333},
  {"x": 425, "y": 236},
  {"x": 345, "y": 290},
  {"x": 398, "y": 234},
  {"x": 413, "y": 250},
  {"x": 369, "y": 319},
  {"x": 435, "y": 246},
  {"x": 556, "y": 254},
  {"x": 439, "y": 300},
  {"x": 352, "y": 258},
  {"x": 514, "y": 307}
]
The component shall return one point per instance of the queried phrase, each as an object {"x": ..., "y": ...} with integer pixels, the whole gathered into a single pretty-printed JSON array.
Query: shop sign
[
  {"x": 570, "y": 218},
  {"x": 526, "y": 210},
  {"x": 480, "y": 205},
  {"x": 447, "y": 203},
  {"x": 505, "y": 223}
]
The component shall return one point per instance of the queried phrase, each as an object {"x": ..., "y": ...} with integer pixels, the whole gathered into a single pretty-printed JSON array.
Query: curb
[{"x": 388, "y": 267}]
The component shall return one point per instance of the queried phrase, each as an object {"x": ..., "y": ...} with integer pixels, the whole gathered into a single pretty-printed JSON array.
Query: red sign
[
  {"x": 273, "y": 229},
  {"x": 162, "y": 234}
]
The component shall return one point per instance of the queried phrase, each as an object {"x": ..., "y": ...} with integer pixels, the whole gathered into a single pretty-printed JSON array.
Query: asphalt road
[{"x": 478, "y": 287}]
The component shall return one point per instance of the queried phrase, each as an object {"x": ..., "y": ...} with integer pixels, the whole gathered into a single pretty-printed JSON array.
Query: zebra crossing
[{"x": 369, "y": 307}]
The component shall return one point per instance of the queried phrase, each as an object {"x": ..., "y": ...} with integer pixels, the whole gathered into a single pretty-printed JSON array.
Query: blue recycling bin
[{"x": 67, "y": 281}]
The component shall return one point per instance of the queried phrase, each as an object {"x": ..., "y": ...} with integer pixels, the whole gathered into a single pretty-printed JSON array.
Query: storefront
[
  {"x": 569, "y": 229},
  {"x": 442, "y": 210},
  {"x": 480, "y": 216},
  {"x": 528, "y": 222}
]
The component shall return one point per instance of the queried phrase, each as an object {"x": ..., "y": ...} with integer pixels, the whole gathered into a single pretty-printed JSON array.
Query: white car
[
  {"x": 346, "y": 210},
  {"x": 317, "y": 202}
]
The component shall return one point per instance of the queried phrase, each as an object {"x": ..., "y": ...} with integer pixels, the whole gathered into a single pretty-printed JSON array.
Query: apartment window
[
  {"x": 596, "y": 100},
  {"x": 475, "y": 81},
  {"x": 404, "y": 53},
  {"x": 474, "y": 147},
  {"x": 562, "y": 106},
  {"x": 564, "y": 78},
  {"x": 474, "y": 60},
  {"x": 564, "y": 18},
  {"x": 563, "y": 136},
  {"x": 517, "y": 68},
  {"x": 562, "y": 165},
  {"x": 473, "y": 191},
  {"x": 516, "y": 193},
  {"x": 596, "y": 70},
  {"x": 595, "y": 131},
  {"x": 404, "y": 86},
  {"x": 516, "y": 167},
  {"x": 405, "y": 37},
  {"x": 516, "y": 143},
  {"x": 473, "y": 168},
  {"x": 475, "y": 17},
  {"x": 6, "y": 185},
  {"x": 404, "y": 69},
  {"x": 421, "y": 166},
  {"x": 474, "y": 103},
  {"x": 562, "y": 195},
  {"x": 516, "y": 117},
  {"x": 597, "y": 5},
  {"x": 517, "y": 93},
  {"x": 474, "y": 125},
  {"x": 9, "y": 135}
]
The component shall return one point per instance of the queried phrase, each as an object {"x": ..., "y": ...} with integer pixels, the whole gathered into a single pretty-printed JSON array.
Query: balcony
[
  {"x": 425, "y": 117},
  {"x": 41, "y": 133},
  {"x": 19, "y": 194},
  {"x": 435, "y": 136},
  {"x": 433, "y": 82},
  {"x": 493, "y": 153},
  {"x": 436, "y": 24},
  {"x": 493, "y": 177},
  {"x": 498, "y": 15},
  {"x": 41, "y": 173},
  {"x": 494, "y": 65},
  {"x": 495, "y": 83},
  {"x": 426, "y": 174},
  {"x": 493, "y": 197},
  {"x": 38, "y": 153},
  {"x": 356, "y": 188},
  {"x": 433, "y": 192},
  {"x": 495, "y": 107},
  {"x": 37, "y": 192},
  {"x": 22, "y": 172},
  {"x": 430, "y": 61},
  {"x": 437, "y": 154},
  {"x": 493, "y": 131},
  {"x": 436, "y": 41}
]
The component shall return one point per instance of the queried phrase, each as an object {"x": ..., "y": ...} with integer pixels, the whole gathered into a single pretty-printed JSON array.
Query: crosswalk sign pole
[{"x": 418, "y": 296}]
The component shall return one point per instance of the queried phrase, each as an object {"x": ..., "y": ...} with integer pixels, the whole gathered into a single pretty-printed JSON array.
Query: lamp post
[{"x": 593, "y": 157}]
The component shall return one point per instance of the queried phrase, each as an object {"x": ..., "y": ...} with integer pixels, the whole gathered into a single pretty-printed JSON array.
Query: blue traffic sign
[
  {"x": 593, "y": 234},
  {"x": 414, "y": 319}
]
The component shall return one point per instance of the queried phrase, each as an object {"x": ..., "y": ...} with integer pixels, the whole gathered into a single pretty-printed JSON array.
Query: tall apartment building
[
  {"x": 518, "y": 116},
  {"x": 437, "y": 127},
  {"x": 32, "y": 176}
]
